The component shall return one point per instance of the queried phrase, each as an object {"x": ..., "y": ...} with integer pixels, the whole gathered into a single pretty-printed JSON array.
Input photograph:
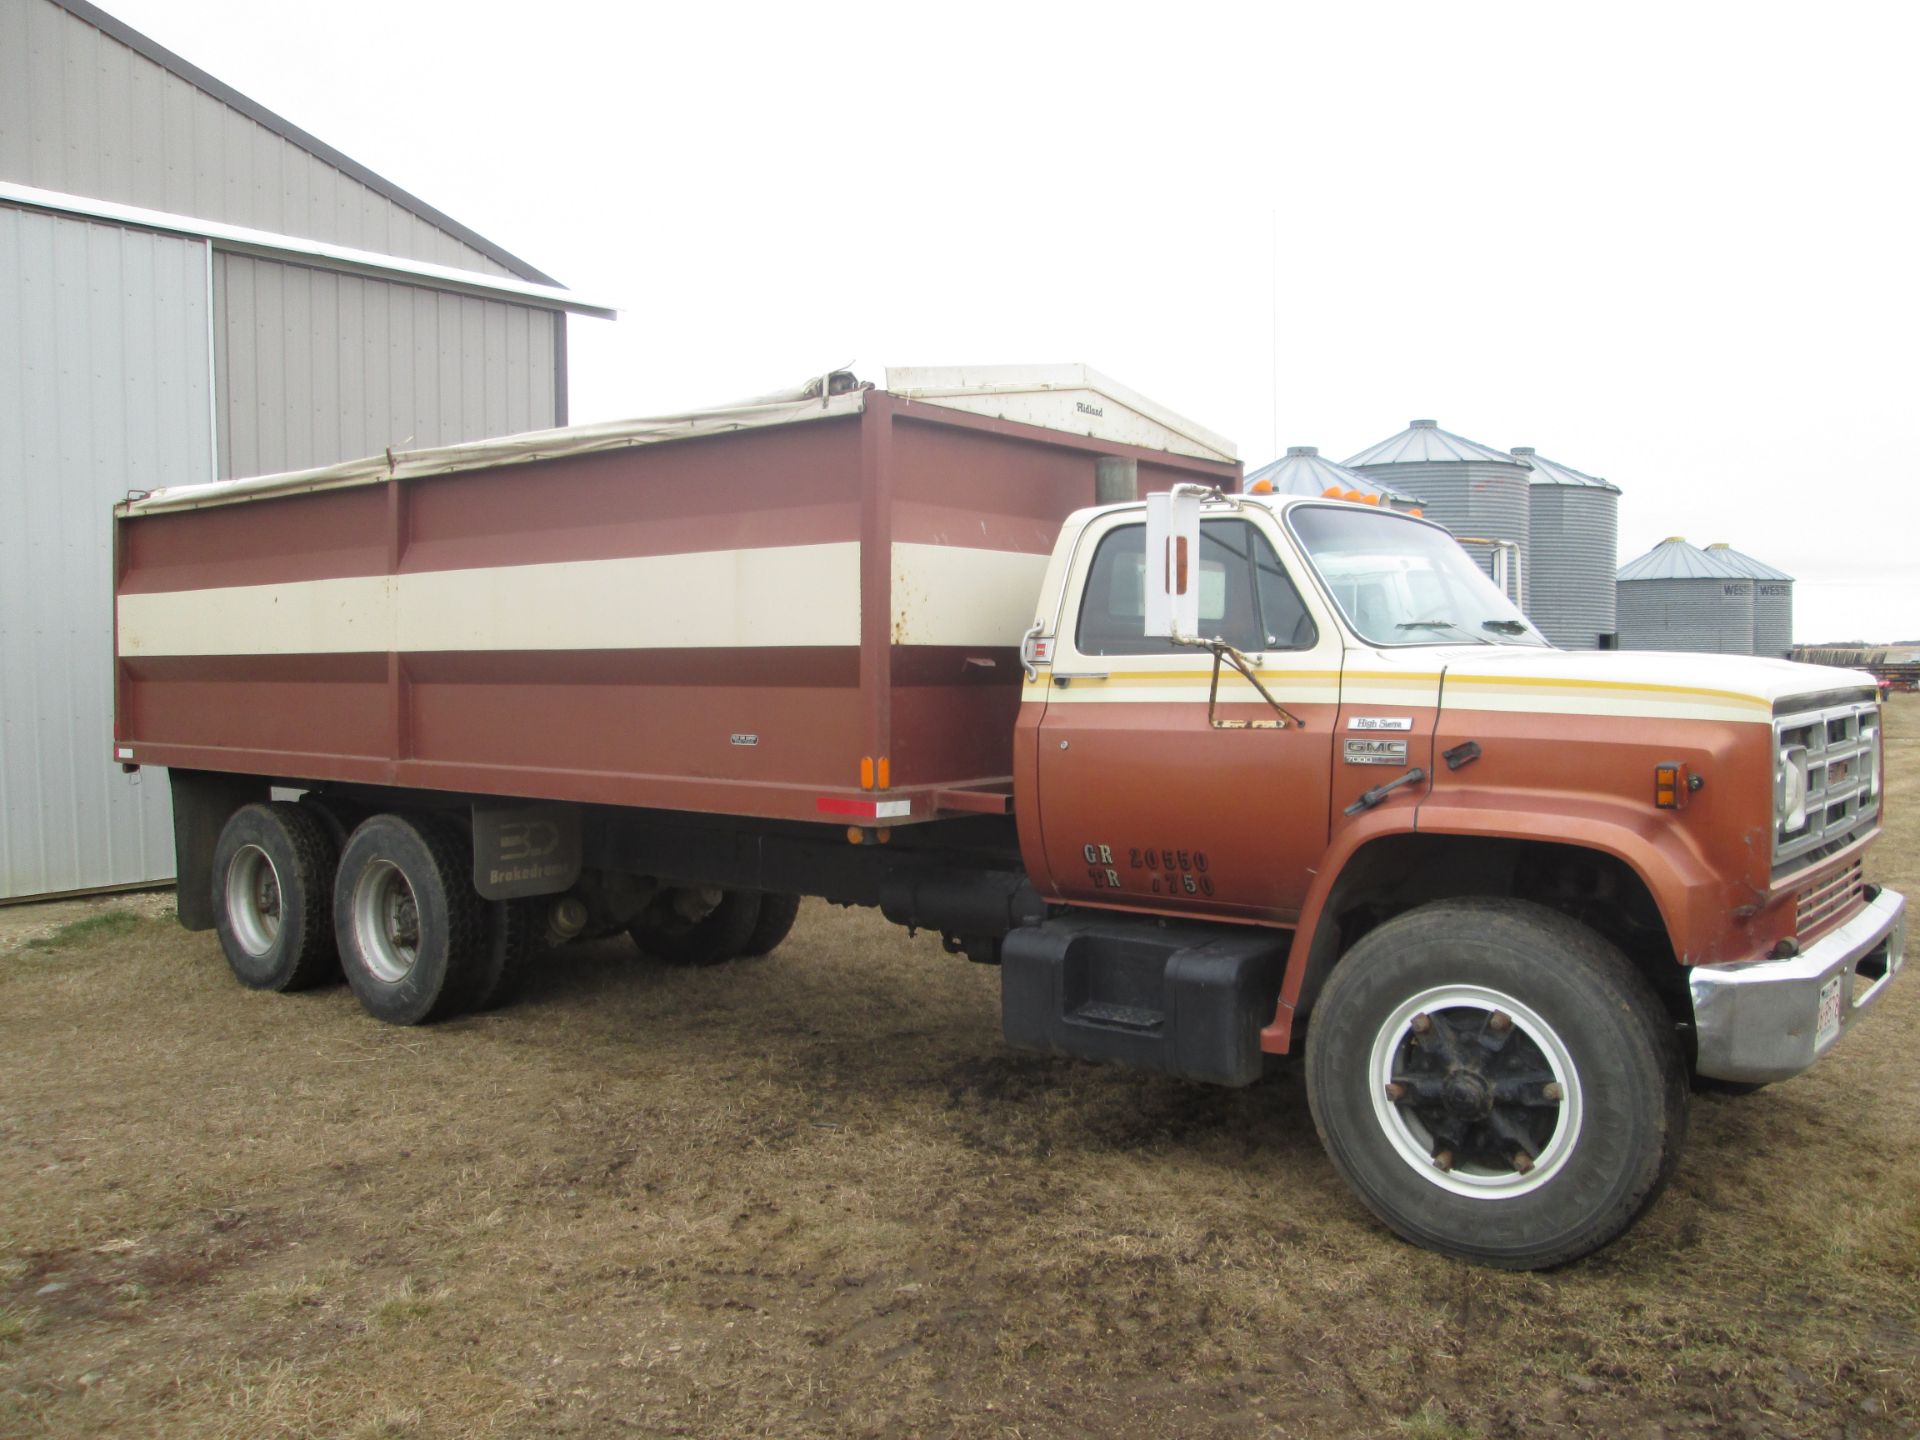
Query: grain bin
[
  {"x": 1573, "y": 548},
  {"x": 1303, "y": 470},
  {"x": 1772, "y": 600},
  {"x": 1470, "y": 488},
  {"x": 1678, "y": 597}
]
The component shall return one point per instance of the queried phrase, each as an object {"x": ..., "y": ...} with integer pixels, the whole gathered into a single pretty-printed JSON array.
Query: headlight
[{"x": 1790, "y": 789}]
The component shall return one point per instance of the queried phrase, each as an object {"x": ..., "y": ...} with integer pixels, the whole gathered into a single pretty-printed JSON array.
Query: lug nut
[
  {"x": 1552, "y": 1091},
  {"x": 1444, "y": 1160},
  {"x": 1499, "y": 1022},
  {"x": 1396, "y": 1092},
  {"x": 1522, "y": 1161},
  {"x": 1421, "y": 1023}
]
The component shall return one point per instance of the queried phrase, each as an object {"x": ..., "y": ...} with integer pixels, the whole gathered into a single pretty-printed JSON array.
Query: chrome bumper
[{"x": 1760, "y": 1020}]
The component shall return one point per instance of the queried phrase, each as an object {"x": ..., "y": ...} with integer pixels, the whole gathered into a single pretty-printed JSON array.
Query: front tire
[
  {"x": 272, "y": 897},
  {"x": 411, "y": 927},
  {"x": 1497, "y": 1083}
]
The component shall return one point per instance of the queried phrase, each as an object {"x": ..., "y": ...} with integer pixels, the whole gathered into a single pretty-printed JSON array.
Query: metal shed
[
  {"x": 1303, "y": 470},
  {"x": 1772, "y": 600},
  {"x": 1470, "y": 488},
  {"x": 190, "y": 288},
  {"x": 1678, "y": 597},
  {"x": 1573, "y": 521}
]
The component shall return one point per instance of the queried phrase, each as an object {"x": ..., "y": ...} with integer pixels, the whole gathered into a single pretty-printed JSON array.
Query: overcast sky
[{"x": 1673, "y": 245}]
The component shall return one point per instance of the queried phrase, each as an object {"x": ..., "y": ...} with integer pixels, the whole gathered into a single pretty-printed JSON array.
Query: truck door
[{"x": 1144, "y": 803}]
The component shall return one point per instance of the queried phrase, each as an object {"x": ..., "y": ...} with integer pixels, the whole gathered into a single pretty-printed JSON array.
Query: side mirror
[{"x": 1173, "y": 564}]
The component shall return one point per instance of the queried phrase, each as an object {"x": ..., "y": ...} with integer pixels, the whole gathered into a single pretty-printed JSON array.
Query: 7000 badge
[{"x": 1167, "y": 872}]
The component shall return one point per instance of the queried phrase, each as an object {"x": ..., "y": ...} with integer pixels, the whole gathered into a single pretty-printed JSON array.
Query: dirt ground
[{"x": 813, "y": 1196}]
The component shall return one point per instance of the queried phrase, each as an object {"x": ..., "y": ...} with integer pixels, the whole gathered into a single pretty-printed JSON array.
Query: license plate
[{"x": 1829, "y": 1025}]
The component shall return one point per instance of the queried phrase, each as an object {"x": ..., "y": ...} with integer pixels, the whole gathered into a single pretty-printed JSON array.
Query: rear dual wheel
[
  {"x": 297, "y": 900},
  {"x": 412, "y": 930},
  {"x": 1496, "y": 1082},
  {"x": 272, "y": 889},
  {"x": 709, "y": 926}
]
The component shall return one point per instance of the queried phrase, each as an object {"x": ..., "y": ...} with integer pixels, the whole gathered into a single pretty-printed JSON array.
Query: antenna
[{"x": 1273, "y": 295}]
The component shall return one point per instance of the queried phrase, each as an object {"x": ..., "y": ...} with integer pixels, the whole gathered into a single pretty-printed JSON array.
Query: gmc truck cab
[{"x": 1525, "y": 896}]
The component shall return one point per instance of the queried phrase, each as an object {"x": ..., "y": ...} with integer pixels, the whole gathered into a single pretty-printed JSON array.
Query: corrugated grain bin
[
  {"x": 1573, "y": 552},
  {"x": 1772, "y": 600},
  {"x": 1678, "y": 597},
  {"x": 1472, "y": 489},
  {"x": 769, "y": 609},
  {"x": 1303, "y": 470}
]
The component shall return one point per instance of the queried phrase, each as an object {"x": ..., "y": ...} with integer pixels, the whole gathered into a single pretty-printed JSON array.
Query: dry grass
[{"x": 813, "y": 1196}]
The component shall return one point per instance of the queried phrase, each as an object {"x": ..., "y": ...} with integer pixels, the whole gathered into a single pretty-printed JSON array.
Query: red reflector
[{"x": 865, "y": 809}]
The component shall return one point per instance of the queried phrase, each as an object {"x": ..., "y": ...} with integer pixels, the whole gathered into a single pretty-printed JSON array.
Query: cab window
[{"x": 1246, "y": 598}]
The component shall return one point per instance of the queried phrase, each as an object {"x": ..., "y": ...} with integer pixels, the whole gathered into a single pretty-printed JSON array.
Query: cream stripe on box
[
  {"x": 790, "y": 595},
  {"x": 953, "y": 595}
]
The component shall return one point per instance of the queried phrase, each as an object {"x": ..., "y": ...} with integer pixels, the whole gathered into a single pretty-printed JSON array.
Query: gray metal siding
[
  {"x": 1773, "y": 618},
  {"x": 1469, "y": 498},
  {"x": 1711, "y": 616},
  {"x": 82, "y": 113},
  {"x": 1574, "y": 543},
  {"x": 315, "y": 366},
  {"x": 103, "y": 388}
]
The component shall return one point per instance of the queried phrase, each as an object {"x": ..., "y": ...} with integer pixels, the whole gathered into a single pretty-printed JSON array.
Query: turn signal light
[{"x": 1669, "y": 785}]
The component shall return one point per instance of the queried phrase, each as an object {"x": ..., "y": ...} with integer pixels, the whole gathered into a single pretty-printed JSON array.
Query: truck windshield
[{"x": 1401, "y": 582}]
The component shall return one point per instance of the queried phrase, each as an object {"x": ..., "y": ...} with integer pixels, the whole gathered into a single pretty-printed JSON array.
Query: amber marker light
[
  {"x": 1260, "y": 487},
  {"x": 866, "y": 772},
  {"x": 886, "y": 773},
  {"x": 1668, "y": 786}
]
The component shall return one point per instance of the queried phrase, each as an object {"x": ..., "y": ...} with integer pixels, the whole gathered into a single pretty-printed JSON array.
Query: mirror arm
[{"x": 1225, "y": 652}]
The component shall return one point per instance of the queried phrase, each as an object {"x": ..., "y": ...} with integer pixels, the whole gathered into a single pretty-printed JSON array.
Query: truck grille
[
  {"x": 1838, "y": 749},
  {"x": 1827, "y": 900}
]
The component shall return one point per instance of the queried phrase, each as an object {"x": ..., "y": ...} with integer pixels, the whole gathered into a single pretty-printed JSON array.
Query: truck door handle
[
  {"x": 1373, "y": 797},
  {"x": 1066, "y": 678}
]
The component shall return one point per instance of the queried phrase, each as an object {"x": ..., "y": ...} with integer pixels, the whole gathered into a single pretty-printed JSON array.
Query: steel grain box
[{"x": 804, "y": 609}]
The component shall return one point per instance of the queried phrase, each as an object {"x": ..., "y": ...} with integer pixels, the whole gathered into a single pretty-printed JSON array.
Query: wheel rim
[
  {"x": 1476, "y": 1092},
  {"x": 253, "y": 899},
  {"x": 386, "y": 921}
]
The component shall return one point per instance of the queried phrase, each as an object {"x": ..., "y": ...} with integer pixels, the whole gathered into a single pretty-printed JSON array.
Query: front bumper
[{"x": 1760, "y": 1020}]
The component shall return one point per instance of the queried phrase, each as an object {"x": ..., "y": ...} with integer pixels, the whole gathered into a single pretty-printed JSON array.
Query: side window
[
  {"x": 1283, "y": 616},
  {"x": 1245, "y": 596}
]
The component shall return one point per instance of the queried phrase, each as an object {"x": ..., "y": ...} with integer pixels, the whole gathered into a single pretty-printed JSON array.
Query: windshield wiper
[{"x": 1442, "y": 625}]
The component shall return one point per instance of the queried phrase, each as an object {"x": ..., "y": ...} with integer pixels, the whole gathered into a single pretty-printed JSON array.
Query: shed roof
[
  {"x": 1424, "y": 442},
  {"x": 1674, "y": 559},
  {"x": 1552, "y": 472},
  {"x": 185, "y": 70},
  {"x": 1303, "y": 470},
  {"x": 1745, "y": 564}
]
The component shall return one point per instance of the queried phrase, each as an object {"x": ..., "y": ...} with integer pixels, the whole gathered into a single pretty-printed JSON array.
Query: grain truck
[{"x": 1218, "y": 780}]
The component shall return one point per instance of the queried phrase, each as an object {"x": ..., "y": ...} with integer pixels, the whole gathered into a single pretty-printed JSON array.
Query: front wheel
[{"x": 1496, "y": 1082}]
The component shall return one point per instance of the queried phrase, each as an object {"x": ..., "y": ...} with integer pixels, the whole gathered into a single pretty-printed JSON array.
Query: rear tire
[
  {"x": 698, "y": 926},
  {"x": 775, "y": 923},
  {"x": 1497, "y": 1083},
  {"x": 272, "y": 897},
  {"x": 411, "y": 927},
  {"x": 513, "y": 929}
]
